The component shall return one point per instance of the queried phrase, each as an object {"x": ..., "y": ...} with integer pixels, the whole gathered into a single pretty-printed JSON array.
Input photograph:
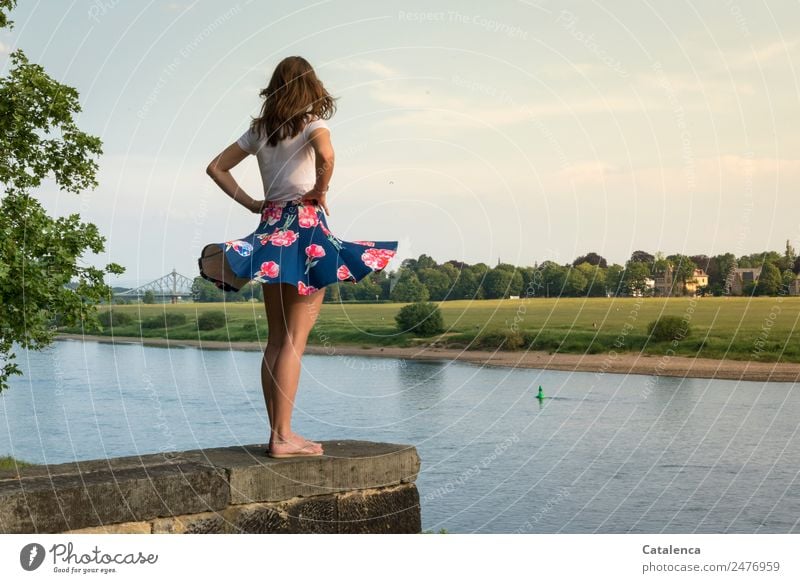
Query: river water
[{"x": 604, "y": 453}]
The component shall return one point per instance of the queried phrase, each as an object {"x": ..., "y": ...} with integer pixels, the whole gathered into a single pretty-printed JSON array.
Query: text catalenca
[{"x": 670, "y": 550}]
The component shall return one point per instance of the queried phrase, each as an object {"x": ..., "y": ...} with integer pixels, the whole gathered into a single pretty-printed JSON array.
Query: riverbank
[{"x": 621, "y": 363}]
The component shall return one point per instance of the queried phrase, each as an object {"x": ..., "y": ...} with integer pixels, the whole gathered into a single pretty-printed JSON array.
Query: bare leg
[
  {"x": 273, "y": 303},
  {"x": 273, "y": 300},
  {"x": 300, "y": 315}
]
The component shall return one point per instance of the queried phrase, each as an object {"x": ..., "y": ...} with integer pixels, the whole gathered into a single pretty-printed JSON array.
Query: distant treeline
[{"x": 424, "y": 279}]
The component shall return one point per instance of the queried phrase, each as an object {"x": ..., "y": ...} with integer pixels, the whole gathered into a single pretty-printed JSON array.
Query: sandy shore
[{"x": 626, "y": 363}]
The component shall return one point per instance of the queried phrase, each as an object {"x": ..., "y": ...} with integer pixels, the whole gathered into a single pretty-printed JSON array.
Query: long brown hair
[{"x": 293, "y": 94}]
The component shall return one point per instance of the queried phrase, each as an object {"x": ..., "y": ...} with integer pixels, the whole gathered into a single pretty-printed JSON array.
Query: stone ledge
[
  {"x": 346, "y": 465},
  {"x": 394, "y": 509},
  {"x": 357, "y": 486}
]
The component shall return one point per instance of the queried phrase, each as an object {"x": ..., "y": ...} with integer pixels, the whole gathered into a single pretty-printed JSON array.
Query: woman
[{"x": 292, "y": 253}]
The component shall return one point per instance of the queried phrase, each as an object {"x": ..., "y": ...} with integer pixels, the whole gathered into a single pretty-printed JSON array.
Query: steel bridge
[{"x": 173, "y": 286}]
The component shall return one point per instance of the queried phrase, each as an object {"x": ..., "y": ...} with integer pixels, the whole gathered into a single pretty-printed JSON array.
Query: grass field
[{"x": 760, "y": 328}]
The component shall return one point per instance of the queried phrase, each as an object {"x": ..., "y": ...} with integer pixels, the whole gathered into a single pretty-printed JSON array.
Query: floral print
[
  {"x": 376, "y": 259},
  {"x": 343, "y": 273},
  {"x": 294, "y": 244},
  {"x": 305, "y": 290},
  {"x": 283, "y": 238},
  {"x": 243, "y": 248},
  {"x": 269, "y": 269},
  {"x": 315, "y": 250},
  {"x": 271, "y": 215},
  {"x": 308, "y": 216}
]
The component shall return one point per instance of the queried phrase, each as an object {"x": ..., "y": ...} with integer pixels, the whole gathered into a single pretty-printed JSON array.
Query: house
[
  {"x": 739, "y": 277},
  {"x": 698, "y": 280},
  {"x": 794, "y": 286},
  {"x": 665, "y": 283}
]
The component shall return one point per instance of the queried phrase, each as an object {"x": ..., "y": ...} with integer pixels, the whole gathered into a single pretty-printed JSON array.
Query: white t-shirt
[{"x": 288, "y": 169}]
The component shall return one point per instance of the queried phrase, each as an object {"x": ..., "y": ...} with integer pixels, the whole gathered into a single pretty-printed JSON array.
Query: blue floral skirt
[{"x": 293, "y": 245}]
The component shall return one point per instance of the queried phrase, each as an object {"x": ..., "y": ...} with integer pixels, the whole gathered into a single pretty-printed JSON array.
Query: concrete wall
[{"x": 356, "y": 487}]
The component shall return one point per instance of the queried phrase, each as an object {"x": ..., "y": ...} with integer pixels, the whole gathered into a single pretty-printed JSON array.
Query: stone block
[
  {"x": 97, "y": 498},
  {"x": 392, "y": 510},
  {"x": 346, "y": 465},
  {"x": 257, "y": 518},
  {"x": 200, "y": 523},
  {"x": 315, "y": 515}
]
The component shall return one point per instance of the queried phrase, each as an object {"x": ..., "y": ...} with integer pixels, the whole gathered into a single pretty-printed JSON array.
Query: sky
[{"x": 515, "y": 131}]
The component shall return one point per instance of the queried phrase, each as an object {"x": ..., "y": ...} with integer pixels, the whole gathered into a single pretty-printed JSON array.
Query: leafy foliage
[
  {"x": 165, "y": 320},
  {"x": 668, "y": 328},
  {"x": 420, "y": 318},
  {"x": 111, "y": 318},
  {"x": 211, "y": 320},
  {"x": 39, "y": 254}
]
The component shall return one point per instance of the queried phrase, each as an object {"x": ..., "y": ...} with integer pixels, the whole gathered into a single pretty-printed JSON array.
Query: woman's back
[{"x": 288, "y": 168}]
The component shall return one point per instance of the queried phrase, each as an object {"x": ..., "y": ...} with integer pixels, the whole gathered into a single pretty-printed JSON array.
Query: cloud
[
  {"x": 694, "y": 85},
  {"x": 436, "y": 110},
  {"x": 594, "y": 172},
  {"x": 4, "y": 48},
  {"x": 760, "y": 57},
  {"x": 365, "y": 66}
]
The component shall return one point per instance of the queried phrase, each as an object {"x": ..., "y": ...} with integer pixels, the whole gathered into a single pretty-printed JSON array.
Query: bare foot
[
  {"x": 299, "y": 440},
  {"x": 293, "y": 448}
]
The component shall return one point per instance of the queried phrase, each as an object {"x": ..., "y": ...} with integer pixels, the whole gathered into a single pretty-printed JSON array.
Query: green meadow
[{"x": 758, "y": 328}]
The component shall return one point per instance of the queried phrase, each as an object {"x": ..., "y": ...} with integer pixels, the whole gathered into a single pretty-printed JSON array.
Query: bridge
[{"x": 172, "y": 286}]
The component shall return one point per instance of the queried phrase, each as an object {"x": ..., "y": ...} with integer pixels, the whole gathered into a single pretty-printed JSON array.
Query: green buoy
[{"x": 540, "y": 396}]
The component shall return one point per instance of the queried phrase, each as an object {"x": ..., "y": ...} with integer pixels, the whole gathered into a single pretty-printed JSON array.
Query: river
[{"x": 602, "y": 453}]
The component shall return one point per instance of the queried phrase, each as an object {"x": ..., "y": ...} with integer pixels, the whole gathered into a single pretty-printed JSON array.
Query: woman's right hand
[{"x": 317, "y": 197}]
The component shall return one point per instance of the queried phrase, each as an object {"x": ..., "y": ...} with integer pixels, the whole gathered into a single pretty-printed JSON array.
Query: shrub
[
  {"x": 112, "y": 318},
  {"x": 175, "y": 319},
  {"x": 668, "y": 328},
  {"x": 420, "y": 318},
  {"x": 504, "y": 340},
  {"x": 166, "y": 320},
  {"x": 211, "y": 320}
]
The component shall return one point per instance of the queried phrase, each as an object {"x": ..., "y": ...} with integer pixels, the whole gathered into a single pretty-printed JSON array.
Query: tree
[
  {"x": 720, "y": 269},
  {"x": 789, "y": 257},
  {"x": 425, "y": 262},
  {"x": 467, "y": 286},
  {"x": 437, "y": 281},
  {"x": 149, "y": 297},
  {"x": 553, "y": 278},
  {"x": 40, "y": 254},
  {"x": 595, "y": 278},
  {"x": 770, "y": 280},
  {"x": 409, "y": 289},
  {"x": 205, "y": 291},
  {"x": 614, "y": 279},
  {"x": 591, "y": 258},
  {"x": 642, "y": 257},
  {"x": 635, "y": 277},
  {"x": 367, "y": 289},
  {"x": 575, "y": 283},
  {"x": 501, "y": 282},
  {"x": 682, "y": 271}
]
